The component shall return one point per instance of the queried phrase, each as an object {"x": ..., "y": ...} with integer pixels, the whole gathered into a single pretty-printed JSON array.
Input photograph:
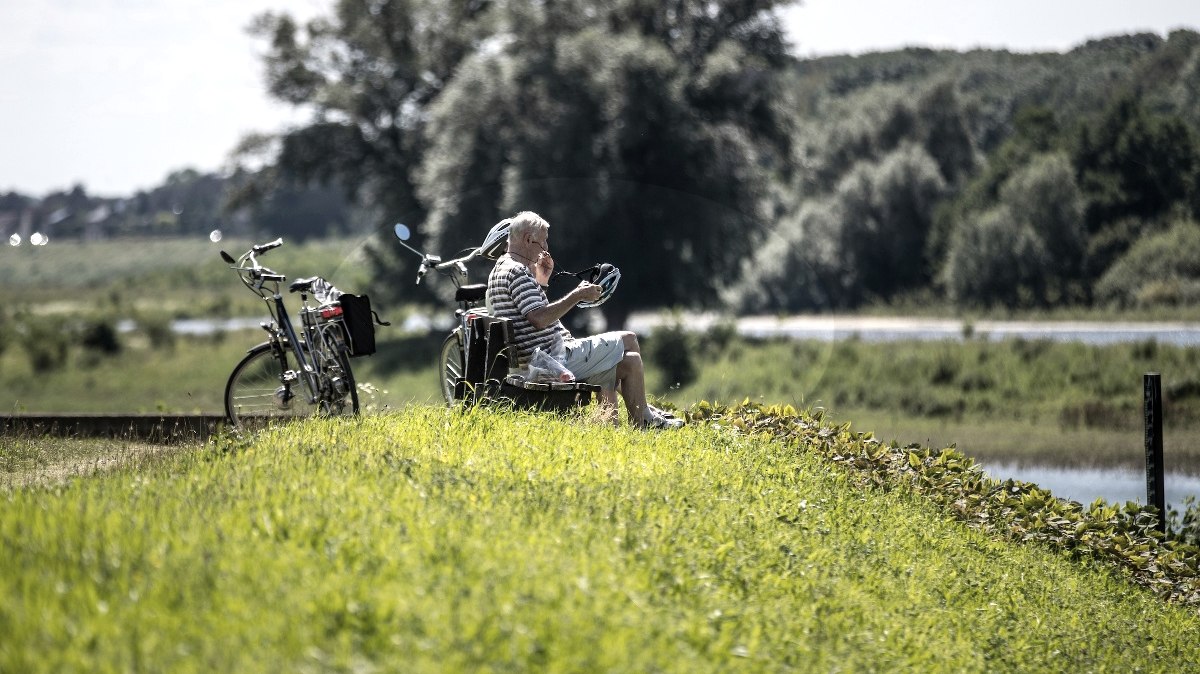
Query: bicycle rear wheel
[
  {"x": 339, "y": 393},
  {"x": 263, "y": 387}
]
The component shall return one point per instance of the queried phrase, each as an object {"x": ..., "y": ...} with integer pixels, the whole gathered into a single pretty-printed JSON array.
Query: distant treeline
[
  {"x": 683, "y": 142},
  {"x": 188, "y": 203}
]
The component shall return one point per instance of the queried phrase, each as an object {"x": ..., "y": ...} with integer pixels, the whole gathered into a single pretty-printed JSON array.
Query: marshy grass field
[{"x": 490, "y": 540}]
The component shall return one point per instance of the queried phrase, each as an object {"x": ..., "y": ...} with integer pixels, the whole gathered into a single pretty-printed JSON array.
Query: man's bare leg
[
  {"x": 631, "y": 378},
  {"x": 608, "y": 405},
  {"x": 608, "y": 397}
]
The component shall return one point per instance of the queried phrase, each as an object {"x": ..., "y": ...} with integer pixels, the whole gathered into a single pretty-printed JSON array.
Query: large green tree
[
  {"x": 1136, "y": 169},
  {"x": 367, "y": 74},
  {"x": 648, "y": 133},
  {"x": 1030, "y": 248},
  {"x": 865, "y": 242}
]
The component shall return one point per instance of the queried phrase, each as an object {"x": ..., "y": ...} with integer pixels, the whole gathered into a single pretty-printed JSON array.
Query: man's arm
[{"x": 544, "y": 316}]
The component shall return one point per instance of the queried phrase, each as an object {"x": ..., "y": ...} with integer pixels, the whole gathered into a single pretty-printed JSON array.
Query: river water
[
  {"x": 893, "y": 329},
  {"x": 1085, "y": 485},
  {"x": 825, "y": 328}
]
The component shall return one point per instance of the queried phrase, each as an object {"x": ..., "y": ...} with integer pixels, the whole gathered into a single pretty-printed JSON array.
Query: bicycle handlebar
[
  {"x": 254, "y": 275},
  {"x": 435, "y": 263},
  {"x": 264, "y": 247}
]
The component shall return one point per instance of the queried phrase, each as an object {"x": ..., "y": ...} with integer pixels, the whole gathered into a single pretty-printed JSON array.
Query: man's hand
[
  {"x": 587, "y": 292},
  {"x": 543, "y": 268},
  {"x": 584, "y": 292}
]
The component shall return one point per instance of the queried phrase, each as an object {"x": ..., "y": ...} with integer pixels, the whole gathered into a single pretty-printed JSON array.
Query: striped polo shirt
[{"x": 513, "y": 293}]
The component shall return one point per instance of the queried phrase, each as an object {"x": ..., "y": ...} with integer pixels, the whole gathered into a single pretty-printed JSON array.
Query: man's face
[{"x": 541, "y": 241}]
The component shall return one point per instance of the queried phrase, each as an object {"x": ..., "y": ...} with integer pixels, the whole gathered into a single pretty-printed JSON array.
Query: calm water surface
[
  {"x": 891, "y": 329},
  {"x": 1088, "y": 484}
]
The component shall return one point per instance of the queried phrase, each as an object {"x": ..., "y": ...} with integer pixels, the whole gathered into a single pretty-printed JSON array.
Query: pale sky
[{"x": 115, "y": 94}]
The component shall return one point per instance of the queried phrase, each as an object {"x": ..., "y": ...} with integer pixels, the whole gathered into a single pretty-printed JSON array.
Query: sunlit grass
[{"x": 436, "y": 540}]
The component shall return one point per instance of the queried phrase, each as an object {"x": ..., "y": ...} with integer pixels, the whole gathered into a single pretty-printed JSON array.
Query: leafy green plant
[{"x": 1185, "y": 524}]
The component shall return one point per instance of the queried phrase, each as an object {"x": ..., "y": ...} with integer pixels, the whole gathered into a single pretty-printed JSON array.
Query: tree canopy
[{"x": 624, "y": 122}]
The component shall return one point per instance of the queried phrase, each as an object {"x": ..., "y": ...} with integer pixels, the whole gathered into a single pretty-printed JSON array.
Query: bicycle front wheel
[
  {"x": 265, "y": 386},
  {"x": 451, "y": 365}
]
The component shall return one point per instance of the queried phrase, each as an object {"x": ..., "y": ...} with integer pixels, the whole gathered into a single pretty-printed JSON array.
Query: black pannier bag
[{"x": 360, "y": 324}]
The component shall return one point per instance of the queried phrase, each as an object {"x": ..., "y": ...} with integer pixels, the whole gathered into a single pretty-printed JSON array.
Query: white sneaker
[{"x": 656, "y": 419}]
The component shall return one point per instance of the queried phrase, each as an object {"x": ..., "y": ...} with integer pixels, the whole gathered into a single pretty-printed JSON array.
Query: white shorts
[{"x": 593, "y": 360}]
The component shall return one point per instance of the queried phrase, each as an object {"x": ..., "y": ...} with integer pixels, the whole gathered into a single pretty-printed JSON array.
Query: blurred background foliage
[{"x": 684, "y": 142}]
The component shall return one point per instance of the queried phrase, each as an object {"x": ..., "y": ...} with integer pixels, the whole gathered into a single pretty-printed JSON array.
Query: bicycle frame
[{"x": 266, "y": 284}]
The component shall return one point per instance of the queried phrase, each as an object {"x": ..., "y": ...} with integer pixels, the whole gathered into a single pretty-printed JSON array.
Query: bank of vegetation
[{"x": 757, "y": 538}]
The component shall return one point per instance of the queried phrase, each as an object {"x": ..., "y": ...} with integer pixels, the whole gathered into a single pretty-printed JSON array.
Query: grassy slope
[{"x": 432, "y": 540}]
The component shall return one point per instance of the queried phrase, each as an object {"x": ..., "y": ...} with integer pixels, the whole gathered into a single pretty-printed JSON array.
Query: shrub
[
  {"x": 1163, "y": 269},
  {"x": 158, "y": 331},
  {"x": 100, "y": 335},
  {"x": 46, "y": 342},
  {"x": 717, "y": 338},
  {"x": 671, "y": 349}
]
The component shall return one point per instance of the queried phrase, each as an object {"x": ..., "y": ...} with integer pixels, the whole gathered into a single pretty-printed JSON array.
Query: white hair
[{"x": 527, "y": 222}]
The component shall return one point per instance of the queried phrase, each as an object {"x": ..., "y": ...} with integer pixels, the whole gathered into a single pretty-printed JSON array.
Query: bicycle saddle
[
  {"x": 471, "y": 293},
  {"x": 322, "y": 291},
  {"x": 303, "y": 284}
]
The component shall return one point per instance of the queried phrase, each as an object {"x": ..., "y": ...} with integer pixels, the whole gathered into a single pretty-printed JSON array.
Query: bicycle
[
  {"x": 452, "y": 359},
  {"x": 298, "y": 374}
]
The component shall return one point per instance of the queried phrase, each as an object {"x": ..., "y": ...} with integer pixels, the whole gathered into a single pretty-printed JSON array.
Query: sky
[{"x": 116, "y": 94}]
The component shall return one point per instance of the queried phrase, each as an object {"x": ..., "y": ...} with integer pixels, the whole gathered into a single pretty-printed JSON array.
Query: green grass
[
  {"x": 434, "y": 540},
  {"x": 191, "y": 376}
]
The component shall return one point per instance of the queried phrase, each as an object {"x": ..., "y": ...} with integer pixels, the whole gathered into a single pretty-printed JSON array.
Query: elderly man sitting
[{"x": 612, "y": 360}]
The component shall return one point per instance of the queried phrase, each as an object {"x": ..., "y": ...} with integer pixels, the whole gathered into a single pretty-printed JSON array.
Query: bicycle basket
[{"x": 360, "y": 328}]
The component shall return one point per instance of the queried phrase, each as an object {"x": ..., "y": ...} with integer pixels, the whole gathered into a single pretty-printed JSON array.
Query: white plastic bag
[{"x": 546, "y": 368}]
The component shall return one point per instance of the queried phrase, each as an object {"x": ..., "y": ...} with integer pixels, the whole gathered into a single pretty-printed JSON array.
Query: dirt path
[{"x": 48, "y": 462}]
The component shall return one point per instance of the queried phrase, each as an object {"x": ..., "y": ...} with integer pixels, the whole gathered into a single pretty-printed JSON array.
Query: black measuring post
[{"x": 1155, "y": 475}]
